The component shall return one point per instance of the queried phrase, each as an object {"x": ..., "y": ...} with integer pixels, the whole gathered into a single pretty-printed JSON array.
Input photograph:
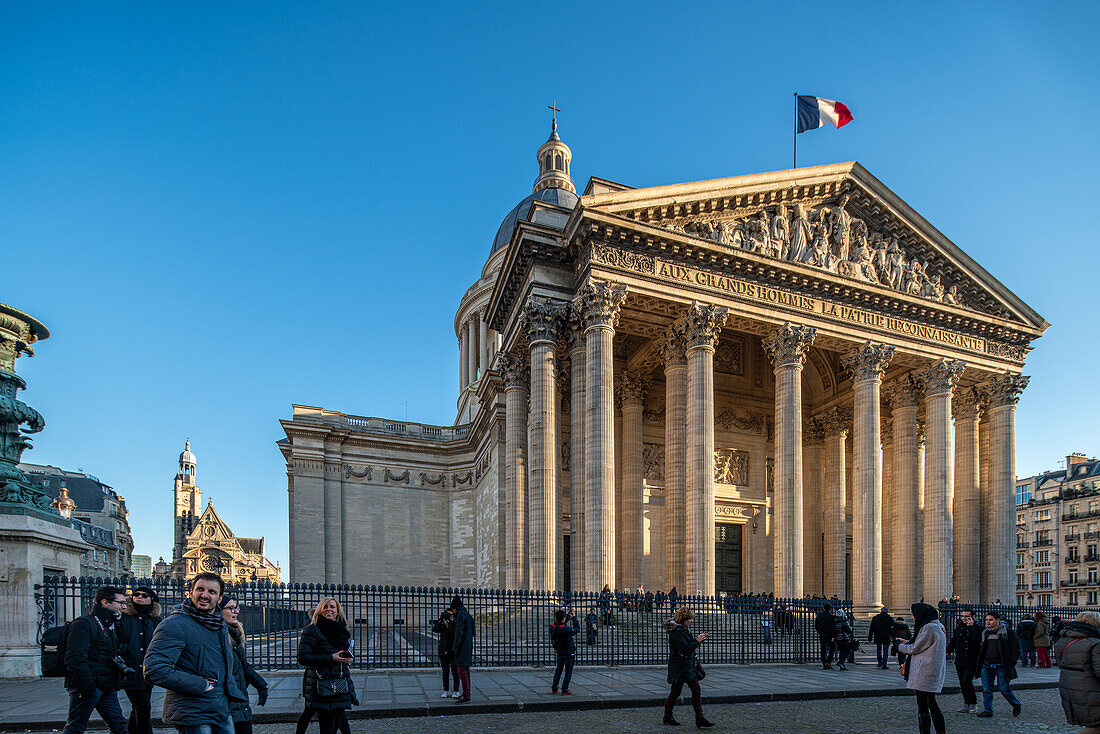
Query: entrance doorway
[{"x": 727, "y": 558}]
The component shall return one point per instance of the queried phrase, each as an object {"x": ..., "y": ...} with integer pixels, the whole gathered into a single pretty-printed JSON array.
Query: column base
[{"x": 866, "y": 611}]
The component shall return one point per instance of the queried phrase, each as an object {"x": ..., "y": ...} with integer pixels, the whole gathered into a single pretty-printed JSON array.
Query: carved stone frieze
[
  {"x": 731, "y": 419},
  {"x": 566, "y": 455},
  {"x": 729, "y": 356},
  {"x": 599, "y": 302},
  {"x": 702, "y": 324},
  {"x": 624, "y": 259},
  {"x": 940, "y": 377},
  {"x": 868, "y": 361},
  {"x": 466, "y": 478},
  {"x": 653, "y": 462},
  {"x": 1005, "y": 351},
  {"x": 367, "y": 473},
  {"x": 735, "y": 511},
  {"x": 787, "y": 345},
  {"x": 439, "y": 480},
  {"x": 731, "y": 467},
  {"x": 402, "y": 478},
  {"x": 1005, "y": 390}
]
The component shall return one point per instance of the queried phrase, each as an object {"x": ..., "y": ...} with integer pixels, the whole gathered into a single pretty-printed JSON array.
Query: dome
[
  {"x": 187, "y": 457},
  {"x": 556, "y": 196}
]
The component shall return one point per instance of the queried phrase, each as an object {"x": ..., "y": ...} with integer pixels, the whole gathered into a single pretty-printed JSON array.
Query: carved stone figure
[
  {"x": 781, "y": 232},
  {"x": 731, "y": 467},
  {"x": 895, "y": 265},
  {"x": 822, "y": 256},
  {"x": 839, "y": 224},
  {"x": 952, "y": 296},
  {"x": 800, "y": 251}
]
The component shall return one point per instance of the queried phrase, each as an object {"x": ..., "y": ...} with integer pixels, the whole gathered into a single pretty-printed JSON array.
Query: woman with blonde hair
[
  {"x": 1078, "y": 653},
  {"x": 684, "y": 667},
  {"x": 243, "y": 672},
  {"x": 325, "y": 651}
]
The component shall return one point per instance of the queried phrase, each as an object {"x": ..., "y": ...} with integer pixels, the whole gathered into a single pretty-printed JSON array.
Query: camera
[{"x": 120, "y": 665}]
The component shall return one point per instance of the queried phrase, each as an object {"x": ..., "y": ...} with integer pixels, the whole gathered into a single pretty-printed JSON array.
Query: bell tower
[
  {"x": 188, "y": 505},
  {"x": 554, "y": 157}
]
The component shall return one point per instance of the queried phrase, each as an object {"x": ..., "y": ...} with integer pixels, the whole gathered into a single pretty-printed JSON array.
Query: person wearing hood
[
  {"x": 243, "y": 672},
  {"x": 191, "y": 657},
  {"x": 91, "y": 672},
  {"x": 562, "y": 636},
  {"x": 683, "y": 666},
  {"x": 462, "y": 646},
  {"x": 879, "y": 633},
  {"x": 324, "y": 650},
  {"x": 927, "y": 665},
  {"x": 135, "y": 631},
  {"x": 1078, "y": 654},
  {"x": 997, "y": 662}
]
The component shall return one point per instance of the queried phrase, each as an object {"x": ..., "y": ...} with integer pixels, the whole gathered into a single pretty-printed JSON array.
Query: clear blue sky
[{"x": 220, "y": 211}]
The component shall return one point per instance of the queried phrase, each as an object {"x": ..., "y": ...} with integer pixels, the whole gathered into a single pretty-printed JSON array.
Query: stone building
[
  {"x": 784, "y": 381},
  {"x": 204, "y": 542},
  {"x": 1058, "y": 535},
  {"x": 97, "y": 511}
]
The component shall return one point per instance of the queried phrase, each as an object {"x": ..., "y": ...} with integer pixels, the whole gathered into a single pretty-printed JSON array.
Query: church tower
[
  {"x": 188, "y": 505},
  {"x": 554, "y": 157}
]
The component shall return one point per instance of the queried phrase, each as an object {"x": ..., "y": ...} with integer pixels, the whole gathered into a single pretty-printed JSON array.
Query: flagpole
[{"x": 795, "y": 130}]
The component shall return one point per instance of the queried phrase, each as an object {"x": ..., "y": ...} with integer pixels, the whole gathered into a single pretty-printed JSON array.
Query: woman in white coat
[{"x": 927, "y": 665}]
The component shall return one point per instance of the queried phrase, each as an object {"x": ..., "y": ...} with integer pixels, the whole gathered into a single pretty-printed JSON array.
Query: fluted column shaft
[
  {"x": 967, "y": 519},
  {"x": 939, "y": 380},
  {"x": 1004, "y": 393},
  {"x": 904, "y": 396},
  {"x": 676, "y": 372},
  {"x": 471, "y": 350},
  {"x": 984, "y": 503},
  {"x": 812, "y": 470},
  {"x": 463, "y": 358},
  {"x": 515, "y": 472},
  {"x": 835, "y": 499},
  {"x": 888, "y": 515},
  {"x": 483, "y": 344},
  {"x": 633, "y": 561},
  {"x": 577, "y": 549}
]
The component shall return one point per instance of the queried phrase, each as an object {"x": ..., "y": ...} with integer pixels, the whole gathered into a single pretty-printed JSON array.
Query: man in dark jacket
[
  {"x": 996, "y": 662},
  {"x": 191, "y": 656},
  {"x": 879, "y": 633},
  {"x": 135, "y": 632},
  {"x": 966, "y": 643},
  {"x": 825, "y": 624},
  {"x": 1025, "y": 633},
  {"x": 562, "y": 632},
  {"x": 1078, "y": 654},
  {"x": 91, "y": 674},
  {"x": 462, "y": 648}
]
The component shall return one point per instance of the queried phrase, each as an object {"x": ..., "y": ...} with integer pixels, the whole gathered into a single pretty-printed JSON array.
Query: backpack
[{"x": 54, "y": 642}]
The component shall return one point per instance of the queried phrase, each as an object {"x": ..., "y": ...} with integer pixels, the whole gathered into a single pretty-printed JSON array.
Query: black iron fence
[
  {"x": 1011, "y": 615},
  {"x": 392, "y": 626}
]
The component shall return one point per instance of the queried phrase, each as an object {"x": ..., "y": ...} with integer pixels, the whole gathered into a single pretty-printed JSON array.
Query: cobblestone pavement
[{"x": 1042, "y": 713}]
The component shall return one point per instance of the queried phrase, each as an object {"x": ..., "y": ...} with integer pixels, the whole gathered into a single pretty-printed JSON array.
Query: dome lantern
[{"x": 553, "y": 159}]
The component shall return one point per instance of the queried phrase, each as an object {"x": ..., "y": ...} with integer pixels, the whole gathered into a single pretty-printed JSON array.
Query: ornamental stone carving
[
  {"x": 543, "y": 319},
  {"x": 402, "y": 478},
  {"x": 966, "y": 405},
  {"x": 731, "y": 467},
  {"x": 1004, "y": 390},
  {"x": 702, "y": 324},
  {"x": 623, "y": 259},
  {"x": 632, "y": 389},
  {"x": 673, "y": 349},
  {"x": 813, "y": 432},
  {"x": 599, "y": 301},
  {"x": 835, "y": 421},
  {"x": 653, "y": 462},
  {"x": 729, "y": 357},
  {"x": 868, "y": 361},
  {"x": 940, "y": 378},
  {"x": 787, "y": 345},
  {"x": 731, "y": 419},
  {"x": 367, "y": 473},
  {"x": 886, "y": 431},
  {"x": 439, "y": 480},
  {"x": 904, "y": 392},
  {"x": 516, "y": 371}
]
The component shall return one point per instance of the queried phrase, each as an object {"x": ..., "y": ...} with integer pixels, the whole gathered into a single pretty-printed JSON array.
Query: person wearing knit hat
[
  {"x": 243, "y": 672},
  {"x": 135, "y": 629}
]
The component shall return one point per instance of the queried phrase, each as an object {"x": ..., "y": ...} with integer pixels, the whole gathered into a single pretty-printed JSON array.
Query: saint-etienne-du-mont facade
[{"x": 785, "y": 382}]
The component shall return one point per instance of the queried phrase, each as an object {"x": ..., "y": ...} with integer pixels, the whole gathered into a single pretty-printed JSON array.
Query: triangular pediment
[
  {"x": 210, "y": 529},
  {"x": 837, "y": 219}
]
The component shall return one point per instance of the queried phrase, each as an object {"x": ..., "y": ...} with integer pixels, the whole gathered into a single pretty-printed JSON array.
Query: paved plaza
[{"x": 507, "y": 697}]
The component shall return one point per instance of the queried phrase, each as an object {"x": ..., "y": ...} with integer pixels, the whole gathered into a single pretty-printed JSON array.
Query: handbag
[
  {"x": 700, "y": 673},
  {"x": 333, "y": 686}
]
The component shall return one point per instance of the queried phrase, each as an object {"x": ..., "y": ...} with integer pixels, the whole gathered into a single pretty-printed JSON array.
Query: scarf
[
  {"x": 106, "y": 617},
  {"x": 922, "y": 615},
  {"x": 335, "y": 631},
  {"x": 144, "y": 608},
  {"x": 212, "y": 621}
]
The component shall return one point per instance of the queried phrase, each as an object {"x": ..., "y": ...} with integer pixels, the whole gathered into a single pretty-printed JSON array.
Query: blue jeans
[
  {"x": 882, "y": 652},
  {"x": 1027, "y": 653},
  {"x": 995, "y": 673},
  {"x": 565, "y": 662},
  {"x": 83, "y": 703},
  {"x": 226, "y": 727}
]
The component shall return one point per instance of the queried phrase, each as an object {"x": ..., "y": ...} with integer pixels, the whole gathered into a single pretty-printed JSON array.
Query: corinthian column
[
  {"x": 576, "y": 453},
  {"x": 787, "y": 347},
  {"x": 967, "y": 520},
  {"x": 463, "y": 357},
  {"x": 866, "y": 364},
  {"x": 632, "y": 394},
  {"x": 471, "y": 350},
  {"x": 544, "y": 519},
  {"x": 675, "y": 359},
  {"x": 904, "y": 394},
  {"x": 599, "y": 302},
  {"x": 1004, "y": 393},
  {"x": 702, "y": 323},
  {"x": 813, "y": 452},
  {"x": 984, "y": 500},
  {"x": 939, "y": 383},
  {"x": 888, "y": 492},
  {"x": 834, "y": 501},
  {"x": 483, "y": 342},
  {"x": 515, "y": 470}
]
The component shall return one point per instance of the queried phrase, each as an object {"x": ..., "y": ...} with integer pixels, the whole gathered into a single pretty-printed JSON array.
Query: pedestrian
[
  {"x": 243, "y": 672},
  {"x": 1025, "y": 633},
  {"x": 324, "y": 650},
  {"x": 1078, "y": 652},
  {"x": 92, "y": 670},
  {"x": 965, "y": 642},
  {"x": 445, "y": 628},
  {"x": 900, "y": 631},
  {"x": 462, "y": 647},
  {"x": 1042, "y": 639},
  {"x": 996, "y": 663},
  {"x": 684, "y": 667},
  {"x": 191, "y": 657},
  {"x": 845, "y": 640},
  {"x": 605, "y": 606},
  {"x": 927, "y": 665},
  {"x": 825, "y": 624},
  {"x": 673, "y": 600},
  {"x": 562, "y": 634},
  {"x": 882, "y": 624},
  {"x": 135, "y": 631},
  {"x": 591, "y": 627}
]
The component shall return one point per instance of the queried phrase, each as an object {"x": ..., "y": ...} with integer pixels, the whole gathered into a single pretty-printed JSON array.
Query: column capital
[
  {"x": 543, "y": 319},
  {"x": 904, "y": 392},
  {"x": 787, "y": 345},
  {"x": 672, "y": 348},
  {"x": 940, "y": 377},
  {"x": 836, "y": 422},
  {"x": 966, "y": 404},
  {"x": 702, "y": 324},
  {"x": 599, "y": 301},
  {"x": 868, "y": 361},
  {"x": 886, "y": 431},
  {"x": 632, "y": 389},
  {"x": 813, "y": 432},
  {"x": 516, "y": 371},
  {"x": 1004, "y": 390},
  {"x": 573, "y": 328}
]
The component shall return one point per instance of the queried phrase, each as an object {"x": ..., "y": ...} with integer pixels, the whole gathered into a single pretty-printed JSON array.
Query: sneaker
[
  {"x": 445, "y": 694},
  {"x": 456, "y": 694},
  {"x": 966, "y": 709},
  {"x": 1016, "y": 709},
  {"x": 567, "y": 693},
  {"x": 985, "y": 714},
  {"x": 462, "y": 700},
  {"x": 841, "y": 667}
]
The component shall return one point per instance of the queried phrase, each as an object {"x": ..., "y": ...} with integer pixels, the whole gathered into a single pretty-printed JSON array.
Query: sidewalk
[{"x": 41, "y": 704}]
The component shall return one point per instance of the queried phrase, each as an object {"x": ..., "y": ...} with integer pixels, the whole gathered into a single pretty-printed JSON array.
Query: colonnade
[
  {"x": 477, "y": 346},
  {"x": 895, "y": 483}
]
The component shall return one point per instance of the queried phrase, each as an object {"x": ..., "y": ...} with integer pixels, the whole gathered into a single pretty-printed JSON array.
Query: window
[
  {"x": 1042, "y": 579},
  {"x": 1020, "y": 582},
  {"x": 1023, "y": 493},
  {"x": 1042, "y": 558},
  {"x": 1020, "y": 519},
  {"x": 1074, "y": 554},
  {"x": 1045, "y": 600},
  {"x": 1073, "y": 510},
  {"x": 1092, "y": 575},
  {"x": 1073, "y": 598},
  {"x": 1041, "y": 515},
  {"x": 1092, "y": 599},
  {"x": 1091, "y": 550},
  {"x": 1094, "y": 506},
  {"x": 1021, "y": 559},
  {"x": 1073, "y": 575}
]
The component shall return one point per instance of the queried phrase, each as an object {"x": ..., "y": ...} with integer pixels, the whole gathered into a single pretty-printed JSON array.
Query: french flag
[{"x": 813, "y": 112}]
